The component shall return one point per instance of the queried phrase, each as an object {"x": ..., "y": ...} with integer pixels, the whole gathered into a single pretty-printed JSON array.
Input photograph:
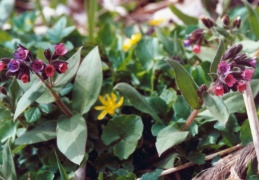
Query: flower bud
[
  {"x": 225, "y": 20},
  {"x": 60, "y": 66},
  {"x": 47, "y": 54},
  {"x": 3, "y": 90},
  {"x": 237, "y": 22},
  {"x": 196, "y": 49},
  {"x": 207, "y": 22},
  {"x": 234, "y": 50}
]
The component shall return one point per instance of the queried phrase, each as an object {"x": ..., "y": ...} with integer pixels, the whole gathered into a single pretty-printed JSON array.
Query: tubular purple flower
[
  {"x": 60, "y": 49},
  {"x": 21, "y": 54},
  {"x": 37, "y": 66},
  {"x": 223, "y": 68},
  {"x": 248, "y": 74},
  {"x": 14, "y": 65},
  {"x": 187, "y": 43},
  {"x": 230, "y": 80}
]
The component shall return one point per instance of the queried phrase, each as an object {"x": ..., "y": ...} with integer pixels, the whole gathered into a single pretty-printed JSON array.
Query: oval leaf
[
  {"x": 29, "y": 97},
  {"x": 137, "y": 100},
  {"x": 124, "y": 131},
  {"x": 8, "y": 168},
  {"x": 42, "y": 132},
  {"x": 186, "y": 85},
  {"x": 73, "y": 64},
  {"x": 216, "y": 107},
  {"x": 32, "y": 114},
  {"x": 71, "y": 137},
  {"x": 188, "y": 20},
  {"x": 168, "y": 137},
  {"x": 216, "y": 60},
  {"x": 88, "y": 82}
]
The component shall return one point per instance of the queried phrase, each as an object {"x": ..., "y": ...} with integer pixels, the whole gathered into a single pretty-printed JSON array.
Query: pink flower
[
  {"x": 21, "y": 53},
  {"x": 230, "y": 80},
  {"x": 2, "y": 65},
  {"x": 219, "y": 91},
  {"x": 196, "y": 49},
  {"x": 25, "y": 78},
  {"x": 248, "y": 74},
  {"x": 62, "y": 67},
  {"x": 37, "y": 66},
  {"x": 223, "y": 67},
  {"x": 241, "y": 86},
  {"x": 49, "y": 70},
  {"x": 60, "y": 49}
]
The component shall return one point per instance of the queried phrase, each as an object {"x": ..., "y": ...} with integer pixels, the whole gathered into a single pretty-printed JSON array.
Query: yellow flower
[
  {"x": 109, "y": 105},
  {"x": 130, "y": 42},
  {"x": 156, "y": 22}
]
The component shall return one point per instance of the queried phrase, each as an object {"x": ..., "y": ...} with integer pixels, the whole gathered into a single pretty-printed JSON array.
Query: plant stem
[
  {"x": 190, "y": 119},
  {"x": 253, "y": 119},
  {"x": 41, "y": 12},
  {"x": 60, "y": 103},
  {"x": 91, "y": 7}
]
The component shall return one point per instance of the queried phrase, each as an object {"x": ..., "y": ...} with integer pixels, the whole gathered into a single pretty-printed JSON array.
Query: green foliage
[
  {"x": 152, "y": 175},
  {"x": 88, "y": 82},
  {"x": 6, "y": 7},
  {"x": 188, "y": 20},
  {"x": 75, "y": 129},
  {"x": 124, "y": 131}
]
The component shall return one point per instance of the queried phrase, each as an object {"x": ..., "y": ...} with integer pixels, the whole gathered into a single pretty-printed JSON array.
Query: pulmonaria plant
[
  {"x": 23, "y": 63},
  {"x": 234, "y": 71}
]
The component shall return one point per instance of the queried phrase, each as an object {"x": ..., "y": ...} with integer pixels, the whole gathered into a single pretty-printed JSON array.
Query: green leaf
[
  {"x": 197, "y": 157},
  {"x": 32, "y": 115},
  {"x": 206, "y": 54},
  {"x": 73, "y": 64},
  {"x": 15, "y": 92},
  {"x": 40, "y": 175},
  {"x": 62, "y": 171},
  {"x": 59, "y": 31},
  {"x": 6, "y": 8},
  {"x": 156, "y": 128},
  {"x": 137, "y": 100},
  {"x": 152, "y": 175},
  {"x": 29, "y": 97},
  {"x": 168, "y": 137},
  {"x": 188, "y": 20},
  {"x": 181, "y": 108},
  {"x": 253, "y": 18},
  {"x": 216, "y": 107},
  {"x": 46, "y": 108},
  {"x": 245, "y": 133},
  {"x": 167, "y": 162},
  {"x": 42, "y": 132},
  {"x": 129, "y": 176},
  {"x": 8, "y": 168},
  {"x": 71, "y": 137},
  {"x": 124, "y": 131},
  {"x": 217, "y": 58},
  {"x": 166, "y": 41},
  {"x": 147, "y": 51},
  {"x": 88, "y": 82},
  {"x": 186, "y": 85}
]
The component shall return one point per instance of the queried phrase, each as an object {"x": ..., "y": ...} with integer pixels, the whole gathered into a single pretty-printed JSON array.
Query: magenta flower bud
[
  {"x": 60, "y": 49},
  {"x": 241, "y": 86},
  {"x": 248, "y": 74},
  {"x": 49, "y": 70},
  {"x": 47, "y": 54},
  {"x": 252, "y": 62},
  {"x": 60, "y": 66},
  {"x": 21, "y": 53},
  {"x": 37, "y": 66},
  {"x": 25, "y": 78},
  {"x": 63, "y": 67},
  {"x": 223, "y": 68},
  {"x": 14, "y": 65},
  {"x": 219, "y": 90},
  {"x": 2, "y": 65},
  {"x": 196, "y": 49},
  {"x": 230, "y": 80}
]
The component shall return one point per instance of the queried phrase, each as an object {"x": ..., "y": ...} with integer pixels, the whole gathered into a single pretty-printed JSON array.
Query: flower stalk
[{"x": 253, "y": 118}]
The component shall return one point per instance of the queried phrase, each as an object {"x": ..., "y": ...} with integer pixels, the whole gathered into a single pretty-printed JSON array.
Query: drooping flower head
[{"x": 109, "y": 105}]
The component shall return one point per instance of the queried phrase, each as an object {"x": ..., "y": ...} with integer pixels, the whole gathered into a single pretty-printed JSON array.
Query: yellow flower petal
[
  {"x": 100, "y": 107},
  {"x": 135, "y": 38},
  {"x": 156, "y": 22},
  {"x": 103, "y": 101},
  {"x": 102, "y": 115},
  {"x": 127, "y": 45},
  {"x": 114, "y": 97},
  {"x": 118, "y": 104},
  {"x": 109, "y": 100}
]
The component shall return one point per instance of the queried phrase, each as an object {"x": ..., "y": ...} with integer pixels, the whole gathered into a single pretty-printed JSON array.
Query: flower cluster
[
  {"x": 23, "y": 63},
  {"x": 234, "y": 71},
  {"x": 196, "y": 38},
  {"x": 235, "y": 23},
  {"x": 109, "y": 105},
  {"x": 132, "y": 41}
]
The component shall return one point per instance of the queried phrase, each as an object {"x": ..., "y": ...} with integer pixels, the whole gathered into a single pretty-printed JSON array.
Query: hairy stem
[
  {"x": 60, "y": 103},
  {"x": 190, "y": 119},
  {"x": 253, "y": 119}
]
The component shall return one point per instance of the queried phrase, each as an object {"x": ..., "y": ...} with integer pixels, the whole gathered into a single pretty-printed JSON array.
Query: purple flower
[
  {"x": 252, "y": 62},
  {"x": 14, "y": 65},
  {"x": 21, "y": 53},
  {"x": 248, "y": 74},
  {"x": 223, "y": 68},
  {"x": 187, "y": 42},
  {"x": 60, "y": 49},
  {"x": 37, "y": 66},
  {"x": 60, "y": 66},
  {"x": 230, "y": 80}
]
